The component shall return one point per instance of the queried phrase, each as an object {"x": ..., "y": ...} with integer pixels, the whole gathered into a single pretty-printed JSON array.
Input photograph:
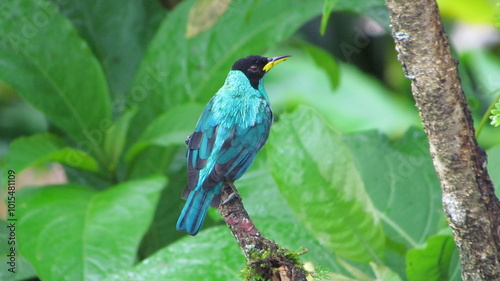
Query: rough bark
[
  {"x": 469, "y": 201},
  {"x": 265, "y": 259}
]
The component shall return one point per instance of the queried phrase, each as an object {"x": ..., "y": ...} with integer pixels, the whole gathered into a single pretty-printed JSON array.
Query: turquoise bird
[{"x": 231, "y": 130}]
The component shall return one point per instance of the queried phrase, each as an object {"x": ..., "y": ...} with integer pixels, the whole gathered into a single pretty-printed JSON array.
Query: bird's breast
[{"x": 240, "y": 111}]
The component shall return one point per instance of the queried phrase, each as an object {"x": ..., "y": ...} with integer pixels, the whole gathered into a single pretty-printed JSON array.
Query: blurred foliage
[
  {"x": 495, "y": 118},
  {"x": 480, "y": 12},
  {"x": 110, "y": 89}
]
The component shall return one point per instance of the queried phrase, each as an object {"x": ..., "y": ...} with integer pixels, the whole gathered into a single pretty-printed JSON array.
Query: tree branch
[
  {"x": 265, "y": 259},
  {"x": 469, "y": 201}
]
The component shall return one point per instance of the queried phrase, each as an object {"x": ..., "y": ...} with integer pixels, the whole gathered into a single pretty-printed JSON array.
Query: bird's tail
[{"x": 195, "y": 210}]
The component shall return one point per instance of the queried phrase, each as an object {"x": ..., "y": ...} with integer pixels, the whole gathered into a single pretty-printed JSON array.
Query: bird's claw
[
  {"x": 231, "y": 197},
  {"x": 188, "y": 138}
]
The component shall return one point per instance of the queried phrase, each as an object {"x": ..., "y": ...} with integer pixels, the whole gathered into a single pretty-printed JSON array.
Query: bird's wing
[
  {"x": 233, "y": 158},
  {"x": 238, "y": 151},
  {"x": 200, "y": 144}
]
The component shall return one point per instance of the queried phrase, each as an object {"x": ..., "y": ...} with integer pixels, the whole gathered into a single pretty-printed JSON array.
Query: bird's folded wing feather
[{"x": 233, "y": 158}]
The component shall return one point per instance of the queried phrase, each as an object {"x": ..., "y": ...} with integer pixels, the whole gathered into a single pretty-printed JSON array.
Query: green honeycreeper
[{"x": 232, "y": 128}]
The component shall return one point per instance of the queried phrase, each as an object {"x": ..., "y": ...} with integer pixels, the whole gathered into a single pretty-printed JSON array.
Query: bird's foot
[
  {"x": 188, "y": 138},
  {"x": 233, "y": 195}
]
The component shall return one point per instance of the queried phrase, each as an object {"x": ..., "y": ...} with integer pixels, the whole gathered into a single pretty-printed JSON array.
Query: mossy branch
[{"x": 265, "y": 259}]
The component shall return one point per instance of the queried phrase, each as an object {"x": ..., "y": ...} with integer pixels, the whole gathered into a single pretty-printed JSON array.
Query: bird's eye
[{"x": 253, "y": 68}]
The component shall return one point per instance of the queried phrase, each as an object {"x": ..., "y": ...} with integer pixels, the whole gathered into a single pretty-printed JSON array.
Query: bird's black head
[{"x": 255, "y": 67}]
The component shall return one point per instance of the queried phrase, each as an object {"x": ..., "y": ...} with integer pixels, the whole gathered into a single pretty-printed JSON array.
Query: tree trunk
[{"x": 469, "y": 201}]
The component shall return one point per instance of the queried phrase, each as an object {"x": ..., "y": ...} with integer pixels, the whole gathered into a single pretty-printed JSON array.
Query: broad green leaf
[
  {"x": 176, "y": 70},
  {"x": 204, "y": 14},
  {"x": 162, "y": 231},
  {"x": 431, "y": 263},
  {"x": 40, "y": 149},
  {"x": 72, "y": 232},
  {"x": 317, "y": 175},
  {"x": 51, "y": 67},
  {"x": 118, "y": 33},
  {"x": 402, "y": 184},
  {"x": 213, "y": 254},
  {"x": 114, "y": 138},
  {"x": 325, "y": 61},
  {"x": 154, "y": 160},
  {"x": 328, "y": 6},
  {"x": 275, "y": 218},
  {"x": 170, "y": 128}
]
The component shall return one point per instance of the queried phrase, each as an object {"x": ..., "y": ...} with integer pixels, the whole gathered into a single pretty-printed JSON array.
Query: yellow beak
[{"x": 274, "y": 61}]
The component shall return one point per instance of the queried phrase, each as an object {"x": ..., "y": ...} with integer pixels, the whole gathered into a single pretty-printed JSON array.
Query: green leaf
[
  {"x": 317, "y": 175},
  {"x": 193, "y": 69},
  {"x": 40, "y": 149},
  {"x": 170, "y": 128},
  {"x": 273, "y": 216},
  {"x": 401, "y": 182},
  {"x": 51, "y": 67},
  {"x": 162, "y": 230},
  {"x": 72, "y": 232},
  {"x": 431, "y": 263},
  {"x": 191, "y": 258},
  {"x": 204, "y": 14},
  {"x": 325, "y": 61},
  {"x": 115, "y": 136},
  {"x": 328, "y": 6},
  {"x": 118, "y": 33}
]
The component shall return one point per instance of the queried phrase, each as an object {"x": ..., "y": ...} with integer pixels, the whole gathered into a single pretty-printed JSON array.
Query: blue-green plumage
[{"x": 232, "y": 128}]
